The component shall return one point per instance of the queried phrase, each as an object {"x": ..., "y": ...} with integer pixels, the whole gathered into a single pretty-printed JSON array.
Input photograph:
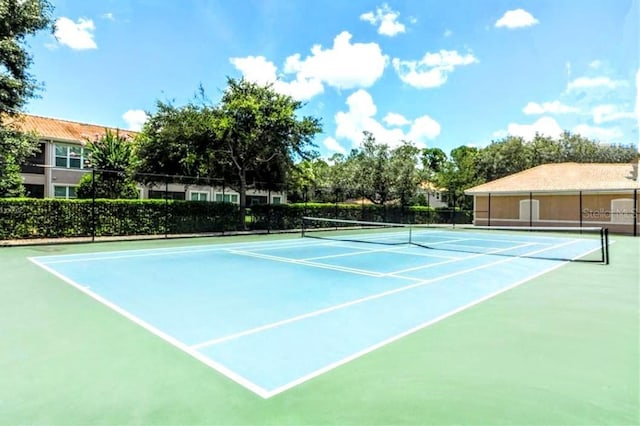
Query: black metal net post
[
  {"x": 635, "y": 213},
  {"x": 93, "y": 205}
]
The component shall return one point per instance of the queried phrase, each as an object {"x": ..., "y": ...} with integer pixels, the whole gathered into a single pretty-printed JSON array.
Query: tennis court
[{"x": 280, "y": 317}]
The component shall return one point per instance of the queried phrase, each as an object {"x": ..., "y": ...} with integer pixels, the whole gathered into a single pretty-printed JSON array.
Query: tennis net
[{"x": 586, "y": 244}]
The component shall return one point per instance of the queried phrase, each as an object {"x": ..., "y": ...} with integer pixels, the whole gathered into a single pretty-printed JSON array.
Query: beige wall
[{"x": 557, "y": 210}]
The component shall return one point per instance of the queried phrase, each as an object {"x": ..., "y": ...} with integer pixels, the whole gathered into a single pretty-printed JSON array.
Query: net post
[
  {"x": 302, "y": 227},
  {"x": 606, "y": 245}
]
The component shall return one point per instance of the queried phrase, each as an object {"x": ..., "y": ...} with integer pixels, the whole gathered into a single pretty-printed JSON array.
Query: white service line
[
  {"x": 365, "y": 299},
  {"x": 302, "y": 262}
]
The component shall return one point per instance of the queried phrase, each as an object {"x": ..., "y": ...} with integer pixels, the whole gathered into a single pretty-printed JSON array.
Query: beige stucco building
[
  {"x": 562, "y": 194},
  {"x": 56, "y": 170}
]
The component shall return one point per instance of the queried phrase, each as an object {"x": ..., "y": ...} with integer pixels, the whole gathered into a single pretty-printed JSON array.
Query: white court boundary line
[
  {"x": 164, "y": 336},
  {"x": 258, "y": 390}
]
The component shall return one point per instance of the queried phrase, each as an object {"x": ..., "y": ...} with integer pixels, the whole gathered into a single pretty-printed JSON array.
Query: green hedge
[
  {"x": 22, "y": 218},
  {"x": 50, "y": 218}
]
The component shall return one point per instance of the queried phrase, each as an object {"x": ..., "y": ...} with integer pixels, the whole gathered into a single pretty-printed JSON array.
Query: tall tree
[
  {"x": 18, "y": 19},
  {"x": 250, "y": 139},
  {"x": 403, "y": 165},
  {"x": 458, "y": 174},
  {"x": 258, "y": 127},
  {"x": 179, "y": 141},
  {"x": 375, "y": 171}
]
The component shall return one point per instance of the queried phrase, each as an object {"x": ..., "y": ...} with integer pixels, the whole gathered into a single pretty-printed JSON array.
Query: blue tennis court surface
[{"x": 273, "y": 314}]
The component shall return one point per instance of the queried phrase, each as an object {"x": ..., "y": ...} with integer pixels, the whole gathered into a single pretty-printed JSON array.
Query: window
[
  {"x": 199, "y": 196},
  {"x": 276, "y": 200},
  {"x": 64, "y": 191},
  {"x": 33, "y": 191},
  {"x": 227, "y": 198},
  {"x": 622, "y": 210},
  {"x": 35, "y": 164},
  {"x": 70, "y": 156},
  {"x": 161, "y": 195},
  {"x": 529, "y": 210}
]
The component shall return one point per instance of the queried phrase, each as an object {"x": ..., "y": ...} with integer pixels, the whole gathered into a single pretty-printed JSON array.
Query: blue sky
[{"x": 438, "y": 73}]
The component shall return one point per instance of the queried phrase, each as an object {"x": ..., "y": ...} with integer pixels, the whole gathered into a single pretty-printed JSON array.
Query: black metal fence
[{"x": 617, "y": 210}]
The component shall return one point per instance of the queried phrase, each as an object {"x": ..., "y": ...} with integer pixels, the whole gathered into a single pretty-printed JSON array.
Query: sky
[{"x": 438, "y": 73}]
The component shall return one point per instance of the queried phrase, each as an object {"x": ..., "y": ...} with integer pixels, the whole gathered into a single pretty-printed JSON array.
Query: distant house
[
  {"x": 562, "y": 194},
  {"x": 434, "y": 196},
  {"x": 56, "y": 170}
]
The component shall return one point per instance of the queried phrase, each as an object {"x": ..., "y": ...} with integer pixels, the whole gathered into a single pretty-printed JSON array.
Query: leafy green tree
[
  {"x": 18, "y": 19},
  {"x": 404, "y": 172},
  {"x": 250, "y": 139},
  {"x": 374, "y": 170},
  {"x": 15, "y": 148},
  {"x": 433, "y": 159},
  {"x": 179, "y": 141},
  {"x": 258, "y": 127},
  {"x": 112, "y": 159},
  {"x": 503, "y": 158},
  {"x": 307, "y": 178},
  {"x": 459, "y": 173}
]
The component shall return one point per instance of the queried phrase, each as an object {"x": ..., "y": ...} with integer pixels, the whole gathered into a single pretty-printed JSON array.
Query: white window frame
[
  {"x": 69, "y": 156},
  {"x": 622, "y": 210},
  {"x": 199, "y": 194},
  {"x": 234, "y": 197},
  {"x": 525, "y": 210},
  {"x": 67, "y": 195}
]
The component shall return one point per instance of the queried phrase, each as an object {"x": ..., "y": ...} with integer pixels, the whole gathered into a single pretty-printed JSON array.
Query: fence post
[
  {"x": 93, "y": 205},
  {"x": 530, "y": 209},
  {"x": 580, "y": 206},
  {"x": 489, "y": 211},
  {"x": 166, "y": 206}
]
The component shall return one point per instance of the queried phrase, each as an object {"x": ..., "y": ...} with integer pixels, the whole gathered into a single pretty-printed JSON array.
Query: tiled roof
[
  {"x": 62, "y": 130},
  {"x": 562, "y": 177}
]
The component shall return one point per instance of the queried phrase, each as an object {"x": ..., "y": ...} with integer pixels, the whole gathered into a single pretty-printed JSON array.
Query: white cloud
[
  {"x": 135, "y": 119},
  {"x": 555, "y": 107},
  {"x": 423, "y": 128},
  {"x": 386, "y": 18},
  {"x": 344, "y": 66},
  {"x": 361, "y": 117},
  {"x": 333, "y": 145},
  {"x": 447, "y": 33},
  {"x": 109, "y": 16},
  {"x": 394, "y": 119},
  {"x": 598, "y": 133},
  {"x": 78, "y": 36},
  {"x": 546, "y": 126},
  {"x": 256, "y": 69},
  {"x": 259, "y": 70},
  {"x": 433, "y": 69},
  {"x": 595, "y": 64},
  {"x": 591, "y": 82},
  {"x": 609, "y": 112},
  {"x": 517, "y": 18}
]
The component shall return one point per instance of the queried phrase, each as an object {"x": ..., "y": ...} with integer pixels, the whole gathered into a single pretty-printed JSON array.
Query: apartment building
[{"x": 56, "y": 170}]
